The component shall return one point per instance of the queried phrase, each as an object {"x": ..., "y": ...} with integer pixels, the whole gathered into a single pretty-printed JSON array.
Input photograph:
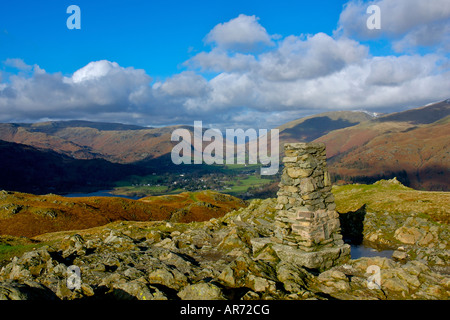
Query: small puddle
[{"x": 360, "y": 251}]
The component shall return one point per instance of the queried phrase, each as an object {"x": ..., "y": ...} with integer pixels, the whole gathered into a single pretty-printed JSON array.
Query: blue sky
[
  {"x": 157, "y": 36},
  {"x": 230, "y": 62}
]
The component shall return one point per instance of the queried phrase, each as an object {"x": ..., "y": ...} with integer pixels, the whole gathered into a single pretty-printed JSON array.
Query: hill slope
[
  {"x": 405, "y": 144},
  {"x": 29, "y": 169},
  {"x": 412, "y": 144},
  {"x": 23, "y": 214},
  {"x": 88, "y": 140},
  {"x": 220, "y": 259},
  {"x": 309, "y": 128}
]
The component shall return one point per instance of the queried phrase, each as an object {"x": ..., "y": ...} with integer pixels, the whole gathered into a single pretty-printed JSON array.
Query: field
[
  {"x": 233, "y": 179},
  {"x": 240, "y": 186}
]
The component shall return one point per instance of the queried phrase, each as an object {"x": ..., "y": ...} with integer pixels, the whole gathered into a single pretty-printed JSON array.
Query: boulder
[
  {"x": 408, "y": 235},
  {"x": 201, "y": 291},
  {"x": 132, "y": 290},
  {"x": 173, "y": 279},
  {"x": 321, "y": 260},
  {"x": 29, "y": 290},
  {"x": 399, "y": 255},
  {"x": 293, "y": 277}
]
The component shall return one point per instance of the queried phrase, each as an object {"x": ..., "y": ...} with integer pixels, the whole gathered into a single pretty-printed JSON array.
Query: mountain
[
  {"x": 312, "y": 127},
  {"x": 424, "y": 115},
  {"x": 412, "y": 145},
  {"x": 127, "y": 143},
  {"x": 361, "y": 147},
  {"x": 90, "y": 140},
  {"x": 29, "y": 215},
  {"x": 29, "y": 169},
  {"x": 50, "y": 127}
]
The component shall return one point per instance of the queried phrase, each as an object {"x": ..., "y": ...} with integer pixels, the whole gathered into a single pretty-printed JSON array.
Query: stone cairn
[
  {"x": 306, "y": 215},
  {"x": 307, "y": 228}
]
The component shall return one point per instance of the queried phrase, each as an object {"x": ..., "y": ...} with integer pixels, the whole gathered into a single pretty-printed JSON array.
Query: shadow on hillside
[
  {"x": 429, "y": 178},
  {"x": 314, "y": 128}
]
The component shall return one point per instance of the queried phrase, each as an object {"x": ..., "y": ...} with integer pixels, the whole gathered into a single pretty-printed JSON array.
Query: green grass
[
  {"x": 394, "y": 199},
  {"x": 238, "y": 186},
  {"x": 237, "y": 168},
  {"x": 133, "y": 185},
  {"x": 241, "y": 185},
  {"x": 193, "y": 197},
  {"x": 8, "y": 251},
  {"x": 145, "y": 190}
]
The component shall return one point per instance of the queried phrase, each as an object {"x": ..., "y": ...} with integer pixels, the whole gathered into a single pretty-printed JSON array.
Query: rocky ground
[
  {"x": 414, "y": 223},
  {"x": 215, "y": 260}
]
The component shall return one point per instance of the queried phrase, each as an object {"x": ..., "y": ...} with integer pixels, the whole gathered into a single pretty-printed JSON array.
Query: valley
[
  {"x": 82, "y": 156},
  {"x": 168, "y": 259},
  {"x": 192, "y": 231}
]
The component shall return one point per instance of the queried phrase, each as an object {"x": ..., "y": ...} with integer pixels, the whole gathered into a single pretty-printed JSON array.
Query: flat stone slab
[{"x": 321, "y": 260}]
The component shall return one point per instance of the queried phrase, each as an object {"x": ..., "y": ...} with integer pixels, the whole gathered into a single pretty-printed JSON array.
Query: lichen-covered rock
[
  {"x": 201, "y": 291},
  {"x": 412, "y": 280},
  {"x": 408, "y": 235},
  {"x": 293, "y": 277},
  {"x": 233, "y": 257},
  {"x": 28, "y": 290}
]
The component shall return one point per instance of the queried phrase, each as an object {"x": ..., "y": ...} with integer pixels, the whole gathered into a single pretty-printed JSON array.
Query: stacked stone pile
[
  {"x": 307, "y": 229},
  {"x": 306, "y": 218}
]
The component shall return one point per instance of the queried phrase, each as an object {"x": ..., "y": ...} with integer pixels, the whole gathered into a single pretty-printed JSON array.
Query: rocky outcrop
[
  {"x": 26, "y": 290},
  {"x": 208, "y": 260},
  {"x": 391, "y": 216},
  {"x": 285, "y": 248},
  {"x": 417, "y": 237},
  {"x": 413, "y": 280}
]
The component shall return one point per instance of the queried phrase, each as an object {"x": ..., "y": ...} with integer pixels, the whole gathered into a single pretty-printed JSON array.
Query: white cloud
[
  {"x": 408, "y": 23},
  {"x": 186, "y": 84},
  {"x": 393, "y": 70},
  {"x": 92, "y": 90},
  {"x": 218, "y": 60},
  {"x": 95, "y": 70},
  {"x": 293, "y": 77},
  {"x": 243, "y": 33},
  {"x": 427, "y": 35},
  {"x": 315, "y": 56}
]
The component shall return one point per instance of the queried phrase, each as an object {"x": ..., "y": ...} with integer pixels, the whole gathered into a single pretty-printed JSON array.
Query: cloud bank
[
  {"x": 250, "y": 78},
  {"x": 407, "y": 23}
]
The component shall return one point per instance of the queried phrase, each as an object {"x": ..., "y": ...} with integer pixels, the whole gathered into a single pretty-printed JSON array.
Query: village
[{"x": 238, "y": 181}]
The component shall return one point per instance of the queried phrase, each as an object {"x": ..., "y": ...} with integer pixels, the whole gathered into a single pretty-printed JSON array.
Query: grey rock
[
  {"x": 29, "y": 290},
  {"x": 399, "y": 255},
  {"x": 201, "y": 291},
  {"x": 320, "y": 260}
]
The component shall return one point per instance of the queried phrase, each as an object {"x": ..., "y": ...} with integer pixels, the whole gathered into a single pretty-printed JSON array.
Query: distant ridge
[
  {"x": 411, "y": 145},
  {"x": 53, "y": 126},
  {"x": 361, "y": 147},
  {"x": 28, "y": 169},
  {"x": 114, "y": 142},
  {"x": 312, "y": 127},
  {"x": 423, "y": 115}
]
